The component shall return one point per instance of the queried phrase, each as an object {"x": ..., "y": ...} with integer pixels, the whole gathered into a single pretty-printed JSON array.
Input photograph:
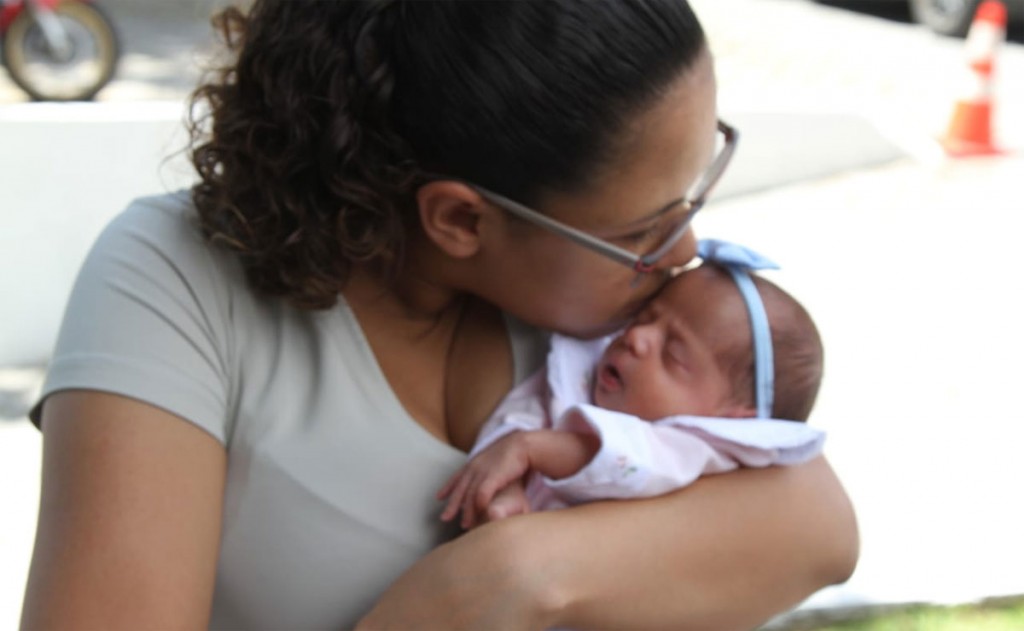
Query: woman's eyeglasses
[{"x": 641, "y": 263}]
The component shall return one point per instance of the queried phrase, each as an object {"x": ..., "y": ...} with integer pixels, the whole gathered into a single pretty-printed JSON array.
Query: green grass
[{"x": 1007, "y": 616}]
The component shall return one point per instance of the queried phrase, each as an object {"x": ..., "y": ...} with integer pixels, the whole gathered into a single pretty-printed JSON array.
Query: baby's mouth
[{"x": 609, "y": 378}]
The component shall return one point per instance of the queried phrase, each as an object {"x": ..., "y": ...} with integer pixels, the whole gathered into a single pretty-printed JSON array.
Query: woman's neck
[
  {"x": 429, "y": 340},
  {"x": 413, "y": 300}
]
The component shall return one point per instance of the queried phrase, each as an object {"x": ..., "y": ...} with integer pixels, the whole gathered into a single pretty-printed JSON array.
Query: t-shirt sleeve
[{"x": 148, "y": 318}]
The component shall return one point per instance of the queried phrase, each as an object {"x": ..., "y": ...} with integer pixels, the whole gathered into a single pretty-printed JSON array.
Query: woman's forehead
[{"x": 665, "y": 150}]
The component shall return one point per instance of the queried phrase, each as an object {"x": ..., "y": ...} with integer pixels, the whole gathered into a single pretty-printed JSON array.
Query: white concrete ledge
[
  {"x": 65, "y": 170},
  {"x": 83, "y": 112}
]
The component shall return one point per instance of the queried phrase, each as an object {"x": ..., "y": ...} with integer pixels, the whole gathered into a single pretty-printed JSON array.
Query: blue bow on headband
[{"x": 738, "y": 261}]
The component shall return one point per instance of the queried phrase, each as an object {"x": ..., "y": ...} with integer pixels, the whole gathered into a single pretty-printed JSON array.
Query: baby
[{"x": 662, "y": 406}]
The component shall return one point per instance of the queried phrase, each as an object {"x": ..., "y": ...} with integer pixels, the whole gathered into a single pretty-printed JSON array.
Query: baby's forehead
[
  {"x": 706, "y": 298},
  {"x": 695, "y": 283}
]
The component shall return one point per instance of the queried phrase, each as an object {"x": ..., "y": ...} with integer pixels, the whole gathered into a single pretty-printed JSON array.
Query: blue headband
[{"x": 738, "y": 261}]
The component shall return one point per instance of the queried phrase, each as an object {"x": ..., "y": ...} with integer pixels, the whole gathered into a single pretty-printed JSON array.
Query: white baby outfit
[{"x": 637, "y": 458}]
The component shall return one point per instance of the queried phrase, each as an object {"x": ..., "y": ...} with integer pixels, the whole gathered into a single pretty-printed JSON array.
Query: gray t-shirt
[{"x": 330, "y": 483}]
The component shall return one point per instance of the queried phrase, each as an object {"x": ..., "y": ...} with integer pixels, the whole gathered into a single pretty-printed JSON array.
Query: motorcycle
[{"x": 58, "y": 50}]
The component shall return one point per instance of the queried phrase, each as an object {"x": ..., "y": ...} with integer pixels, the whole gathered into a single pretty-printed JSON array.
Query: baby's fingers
[
  {"x": 478, "y": 497},
  {"x": 449, "y": 486},
  {"x": 485, "y": 492},
  {"x": 450, "y": 510},
  {"x": 455, "y": 491},
  {"x": 469, "y": 506}
]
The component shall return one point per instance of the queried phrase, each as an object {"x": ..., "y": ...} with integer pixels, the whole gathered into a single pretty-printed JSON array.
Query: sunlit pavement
[
  {"x": 910, "y": 271},
  {"x": 903, "y": 256}
]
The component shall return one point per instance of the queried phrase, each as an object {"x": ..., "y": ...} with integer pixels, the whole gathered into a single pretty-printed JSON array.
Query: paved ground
[{"x": 903, "y": 256}]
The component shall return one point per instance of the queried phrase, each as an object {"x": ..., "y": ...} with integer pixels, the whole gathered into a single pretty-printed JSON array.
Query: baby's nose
[{"x": 642, "y": 338}]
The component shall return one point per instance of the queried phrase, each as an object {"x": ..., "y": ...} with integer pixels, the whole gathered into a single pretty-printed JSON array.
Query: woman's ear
[{"x": 451, "y": 214}]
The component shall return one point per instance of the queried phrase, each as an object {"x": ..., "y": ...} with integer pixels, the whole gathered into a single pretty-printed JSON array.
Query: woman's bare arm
[
  {"x": 726, "y": 553},
  {"x": 129, "y": 520}
]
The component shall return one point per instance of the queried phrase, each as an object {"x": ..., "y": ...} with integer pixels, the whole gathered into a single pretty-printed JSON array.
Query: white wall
[{"x": 65, "y": 170}]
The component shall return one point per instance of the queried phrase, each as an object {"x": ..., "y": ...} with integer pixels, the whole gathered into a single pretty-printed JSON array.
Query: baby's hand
[
  {"x": 473, "y": 488},
  {"x": 509, "y": 502}
]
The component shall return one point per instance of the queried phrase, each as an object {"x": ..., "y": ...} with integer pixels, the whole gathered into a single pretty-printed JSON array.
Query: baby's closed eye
[{"x": 675, "y": 351}]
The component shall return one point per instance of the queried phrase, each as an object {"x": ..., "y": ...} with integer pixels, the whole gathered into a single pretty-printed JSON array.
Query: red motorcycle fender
[
  {"x": 13, "y": 8},
  {"x": 8, "y": 12}
]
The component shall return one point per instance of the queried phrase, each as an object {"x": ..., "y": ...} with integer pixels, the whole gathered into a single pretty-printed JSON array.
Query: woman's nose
[{"x": 681, "y": 253}]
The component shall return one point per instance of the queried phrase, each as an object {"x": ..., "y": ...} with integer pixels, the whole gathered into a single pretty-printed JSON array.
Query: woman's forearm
[{"x": 727, "y": 553}]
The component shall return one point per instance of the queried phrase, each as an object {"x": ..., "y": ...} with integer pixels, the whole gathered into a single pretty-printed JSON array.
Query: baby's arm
[
  {"x": 638, "y": 458},
  {"x": 552, "y": 453}
]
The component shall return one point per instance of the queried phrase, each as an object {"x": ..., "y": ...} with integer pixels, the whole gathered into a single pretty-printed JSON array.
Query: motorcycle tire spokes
[{"x": 83, "y": 64}]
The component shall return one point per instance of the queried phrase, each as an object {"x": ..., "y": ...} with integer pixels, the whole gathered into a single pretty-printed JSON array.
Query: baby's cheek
[
  {"x": 603, "y": 400},
  {"x": 614, "y": 401},
  {"x": 660, "y": 401}
]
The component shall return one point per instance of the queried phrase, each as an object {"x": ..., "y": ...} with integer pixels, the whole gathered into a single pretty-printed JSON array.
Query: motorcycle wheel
[{"x": 90, "y": 65}]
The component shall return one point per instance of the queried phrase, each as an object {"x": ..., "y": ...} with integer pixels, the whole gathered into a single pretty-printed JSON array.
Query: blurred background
[{"x": 904, "y": 255}]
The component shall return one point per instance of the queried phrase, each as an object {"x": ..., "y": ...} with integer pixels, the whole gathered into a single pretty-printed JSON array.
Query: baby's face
[{"x": 665, "y": 364}]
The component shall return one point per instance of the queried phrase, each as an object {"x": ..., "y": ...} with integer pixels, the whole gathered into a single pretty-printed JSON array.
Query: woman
[{"x": 260, "y": 384}]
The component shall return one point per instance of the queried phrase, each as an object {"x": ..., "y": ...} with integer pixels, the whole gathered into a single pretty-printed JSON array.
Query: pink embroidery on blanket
[{"x": 625, "y": 468}]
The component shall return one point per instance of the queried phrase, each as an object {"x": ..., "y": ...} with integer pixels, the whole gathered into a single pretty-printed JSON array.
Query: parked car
[
  {"x": 953, "y": 17},
  {"x": 946, "y": 17}
]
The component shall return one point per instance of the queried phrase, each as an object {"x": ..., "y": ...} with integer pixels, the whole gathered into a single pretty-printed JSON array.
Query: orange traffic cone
[{"x": 970, "y": 129}]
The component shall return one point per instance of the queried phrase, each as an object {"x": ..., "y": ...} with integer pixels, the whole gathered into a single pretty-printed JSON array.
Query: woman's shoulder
[
  {"x": 168, "y": 220},
  {"x": 150, "y": 315},
  {"x": 163, "y": 232}
]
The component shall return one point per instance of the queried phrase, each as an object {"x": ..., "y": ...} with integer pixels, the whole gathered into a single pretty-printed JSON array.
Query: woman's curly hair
[
  {"x": 311, "y": 142},
  {"x": 297, "y": 176}
]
